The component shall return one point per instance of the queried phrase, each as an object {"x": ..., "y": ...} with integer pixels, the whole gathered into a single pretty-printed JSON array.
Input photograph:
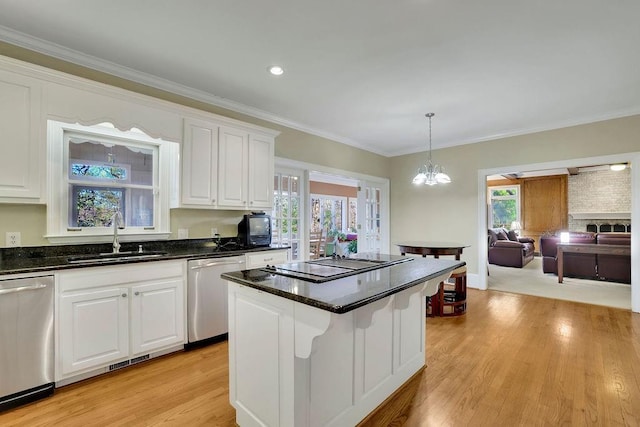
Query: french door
[
  {"x": 288, "y": 210},
  {"x": 372, "y": 215}
]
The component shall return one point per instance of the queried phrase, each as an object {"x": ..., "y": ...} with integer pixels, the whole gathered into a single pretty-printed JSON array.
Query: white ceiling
[{"x": 362, "y": 72}]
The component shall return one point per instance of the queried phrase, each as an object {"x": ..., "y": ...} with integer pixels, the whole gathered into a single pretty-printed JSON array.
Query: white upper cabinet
[
  {"x": 200, "y": 163},
  {"x": 260, "y": 185},
  {"x": 21, "y": 142},
  {"x": 226, "y": 167},
  {"x": 225, "y": 163},
  {"x": 233, "y": 168}
]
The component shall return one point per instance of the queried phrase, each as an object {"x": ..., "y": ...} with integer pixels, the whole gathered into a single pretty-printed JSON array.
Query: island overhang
[{"x": 348, "y": 293}]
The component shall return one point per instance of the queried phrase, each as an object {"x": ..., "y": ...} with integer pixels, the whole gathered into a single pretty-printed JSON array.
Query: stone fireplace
[{"x": 600, "y": 200}]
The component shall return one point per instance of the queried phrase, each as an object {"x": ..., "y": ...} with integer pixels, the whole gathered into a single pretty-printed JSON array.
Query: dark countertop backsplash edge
[{"x": 26, "y": 259}]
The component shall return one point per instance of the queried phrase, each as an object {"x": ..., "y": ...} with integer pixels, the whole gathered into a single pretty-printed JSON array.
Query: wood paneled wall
[{"x": 544, "y": 205}]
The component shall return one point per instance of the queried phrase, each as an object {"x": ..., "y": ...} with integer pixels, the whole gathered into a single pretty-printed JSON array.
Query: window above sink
[{"x": 98, "y": 170}]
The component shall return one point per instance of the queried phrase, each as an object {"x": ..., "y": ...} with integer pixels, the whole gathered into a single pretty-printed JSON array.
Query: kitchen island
[{"x": 325, "y": 342}]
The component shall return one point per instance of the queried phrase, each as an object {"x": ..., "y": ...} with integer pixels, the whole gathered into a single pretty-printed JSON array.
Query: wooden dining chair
[
  {"x": 315, "y": 243},
  {"x": 323, "y": 242}
]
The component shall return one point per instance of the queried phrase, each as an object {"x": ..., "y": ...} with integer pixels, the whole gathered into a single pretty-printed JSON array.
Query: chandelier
[{"x": 429, "y": 173}]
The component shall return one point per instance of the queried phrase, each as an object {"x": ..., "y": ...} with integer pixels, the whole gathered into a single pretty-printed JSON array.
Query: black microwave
[{"x": 255, "y": 230}]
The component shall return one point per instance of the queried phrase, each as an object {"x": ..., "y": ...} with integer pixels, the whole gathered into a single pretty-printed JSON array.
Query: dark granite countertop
[
  {"x": 348, "y": 293},
  {"x": 38, "y": 259}
]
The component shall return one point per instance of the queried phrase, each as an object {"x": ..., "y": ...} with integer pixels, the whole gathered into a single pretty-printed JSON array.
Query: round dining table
[{"x": 434, "y": 248}]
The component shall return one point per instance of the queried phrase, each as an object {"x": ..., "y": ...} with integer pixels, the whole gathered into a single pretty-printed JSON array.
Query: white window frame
[
  {"x": 490, "y": 199},
  {"x": 58, "y": 194}
]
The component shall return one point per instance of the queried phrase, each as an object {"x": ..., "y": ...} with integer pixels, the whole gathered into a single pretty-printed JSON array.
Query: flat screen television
[{"x": 254, "y": 230}]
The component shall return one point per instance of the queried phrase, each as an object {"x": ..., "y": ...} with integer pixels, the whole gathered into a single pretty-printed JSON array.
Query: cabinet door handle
[
  {"x": 137, "y": 293},
  {"x": 124, "y": 295}
]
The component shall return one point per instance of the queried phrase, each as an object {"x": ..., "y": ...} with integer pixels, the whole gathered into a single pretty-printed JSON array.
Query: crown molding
[
  {"x": 44, "y": 47},
  {"x": 57, "y": 51},
  {"x": 561, "y": 124}
]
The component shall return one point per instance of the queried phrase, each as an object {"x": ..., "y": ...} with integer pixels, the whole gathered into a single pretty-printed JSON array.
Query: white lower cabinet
[
  {"x": 156, "y": 315},
  {"x": 109, "y": 315},
  {"x": 93, "y": 328}
]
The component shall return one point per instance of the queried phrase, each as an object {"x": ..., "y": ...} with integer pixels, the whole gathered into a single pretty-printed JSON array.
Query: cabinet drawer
[
  {"x": 118, "y": 275},
  {"x": 261, "y": 259}
]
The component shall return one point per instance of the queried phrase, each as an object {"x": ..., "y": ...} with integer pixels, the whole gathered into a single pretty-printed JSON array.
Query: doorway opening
[
  {"x": 628, "y": 158},
  {"x": 350, "y": 209}
]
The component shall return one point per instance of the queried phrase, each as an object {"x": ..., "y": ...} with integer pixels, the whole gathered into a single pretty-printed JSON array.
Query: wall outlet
[
  {"x": 12, "y": 239},
  {"x": 183, "y": 233},
  {"x": 214, "y": 231}
]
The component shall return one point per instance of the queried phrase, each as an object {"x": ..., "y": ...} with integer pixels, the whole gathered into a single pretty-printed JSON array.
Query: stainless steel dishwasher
[
  {"x": 26, "y": 340},
  {"x": 207, "y": 297}
]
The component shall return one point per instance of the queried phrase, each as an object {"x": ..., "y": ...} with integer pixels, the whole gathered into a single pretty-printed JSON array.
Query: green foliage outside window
[
  {"x": 504, "y": 206},
  {"x": 95, "y": 206},
  {"x": 288, "y": 224},
  {"x": 504, "y": 212}
]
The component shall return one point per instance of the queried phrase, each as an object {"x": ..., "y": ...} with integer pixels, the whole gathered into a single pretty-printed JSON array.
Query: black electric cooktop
[{"x": 325, "y": 269}]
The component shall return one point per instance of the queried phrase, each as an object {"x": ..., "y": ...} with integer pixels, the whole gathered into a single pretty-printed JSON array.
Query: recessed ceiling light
[
  {"x": 276, "y": 70},
  {"x": 618, "y": 167}
]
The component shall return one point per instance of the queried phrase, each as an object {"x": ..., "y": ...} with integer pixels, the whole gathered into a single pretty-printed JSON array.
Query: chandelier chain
[{"x": 429, "y": 115}]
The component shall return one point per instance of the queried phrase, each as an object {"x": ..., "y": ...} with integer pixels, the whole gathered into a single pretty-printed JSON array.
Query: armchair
[{"x": 508, "y": 250}]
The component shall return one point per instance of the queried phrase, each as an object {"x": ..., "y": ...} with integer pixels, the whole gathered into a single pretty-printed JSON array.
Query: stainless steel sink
[{"x": 113, "y": 257}]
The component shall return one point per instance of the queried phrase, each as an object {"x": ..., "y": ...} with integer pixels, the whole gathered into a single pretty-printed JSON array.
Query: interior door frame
[{"x": 632, "y": 158}]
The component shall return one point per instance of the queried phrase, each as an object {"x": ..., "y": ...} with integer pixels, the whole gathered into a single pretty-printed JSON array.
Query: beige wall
[
  {"x": 29, "y": 220},
  {"x": 450, "y": 213},
  {"x": 290, "y": 144}
]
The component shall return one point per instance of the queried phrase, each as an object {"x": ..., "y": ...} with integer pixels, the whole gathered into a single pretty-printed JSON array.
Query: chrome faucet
[{"x": 118, "y": 223}]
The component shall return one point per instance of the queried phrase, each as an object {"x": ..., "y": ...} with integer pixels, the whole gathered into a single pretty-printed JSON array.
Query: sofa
[
  {"x": 613, "y": 268},
  {"x": 582, "y": 266},
  {"x": 509, "y": 250}
]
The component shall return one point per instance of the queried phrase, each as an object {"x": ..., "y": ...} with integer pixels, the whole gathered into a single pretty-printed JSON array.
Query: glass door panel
[
  {"x": 286, "y": 213},
  {"x": 369, "y": 217}
]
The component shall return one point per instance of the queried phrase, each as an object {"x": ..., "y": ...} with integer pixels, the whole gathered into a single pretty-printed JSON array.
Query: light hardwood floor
[{"x": 512, "y": 360}]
